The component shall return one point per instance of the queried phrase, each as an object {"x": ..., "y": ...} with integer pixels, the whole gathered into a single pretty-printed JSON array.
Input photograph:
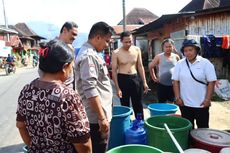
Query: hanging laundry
[
  {"x": 211, "y": 46},
  {"x": 226, "y": 42}
]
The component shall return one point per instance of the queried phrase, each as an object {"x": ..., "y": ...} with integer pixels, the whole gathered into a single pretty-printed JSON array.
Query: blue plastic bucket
[
  {"x": 25, "y": 149},
  {"x": 119, "y": 124},
  {"x": 162, "y": 109}
]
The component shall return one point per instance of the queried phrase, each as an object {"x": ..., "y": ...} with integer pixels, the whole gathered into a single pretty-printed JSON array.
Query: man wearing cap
[{"x": 193, "y": 83}]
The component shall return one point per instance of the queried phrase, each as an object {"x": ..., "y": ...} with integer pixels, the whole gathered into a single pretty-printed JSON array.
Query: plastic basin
[
  {"x": 162, "y": 109},
  {"x": 158, "y": 137},
  {"x": 135, "y": 149}
]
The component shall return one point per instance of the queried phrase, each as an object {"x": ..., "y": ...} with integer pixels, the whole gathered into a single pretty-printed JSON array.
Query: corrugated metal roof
[
  {"x": 193, "y": 6},
  {"x": 159, "y": 22},
  {"x": 23, "y": 27},
  {"x": 139, "y": 16},
  {"x": 119, "y": 28},
  {"x": 25, "y": 32},
  {"x": 166, "y": 18},
  {"x": 196, "y": 5},
  {"x": 7, "y": 30}
]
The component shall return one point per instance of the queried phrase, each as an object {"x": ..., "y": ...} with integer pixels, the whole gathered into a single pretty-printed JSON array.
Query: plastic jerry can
[{"x": 136, "y": 134}]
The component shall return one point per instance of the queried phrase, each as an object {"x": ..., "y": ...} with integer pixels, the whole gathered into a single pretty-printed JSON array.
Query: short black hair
[
  {"x": 100, "y": 28},
  {"x": 125, "y": 34},
  {"x": 54, "y": 55},
  {"x": 168, "y": 40},
  {"x": 69, "y": 25}
]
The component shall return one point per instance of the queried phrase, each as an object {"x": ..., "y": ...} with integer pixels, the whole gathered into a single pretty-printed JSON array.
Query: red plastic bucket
[{"x": 210, "y": 139}]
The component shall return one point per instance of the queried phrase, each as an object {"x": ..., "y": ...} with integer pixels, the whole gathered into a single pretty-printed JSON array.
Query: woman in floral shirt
[{"x": 50, "y": 116}]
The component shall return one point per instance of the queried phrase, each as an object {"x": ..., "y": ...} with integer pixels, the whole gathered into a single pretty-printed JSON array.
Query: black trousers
[
  {"x": 99, "y": 139},
  {"x": 131, "y": 87},
  {"x": 165, "y": 93},
  {"x": 201, "y": 115}
]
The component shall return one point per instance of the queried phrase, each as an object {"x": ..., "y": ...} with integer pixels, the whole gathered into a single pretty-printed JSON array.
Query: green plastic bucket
[
  {"x": 135, "y": 148},
  {"x": 157, "y": 135}
]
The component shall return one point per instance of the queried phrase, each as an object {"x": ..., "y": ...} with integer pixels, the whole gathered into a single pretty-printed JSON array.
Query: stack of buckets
[
  {"x": 127, "y": 136},
  {"x": 134, "y": 134},
  {"x": 157, "y": 135}
]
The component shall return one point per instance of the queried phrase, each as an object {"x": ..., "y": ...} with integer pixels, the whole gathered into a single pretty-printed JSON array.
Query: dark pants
[
  {"x": 131, "y": 87},
  {"x": 99, "y": 140},
  {"x": 201, "y": 115},
  {"x": 165, "y": 93}
]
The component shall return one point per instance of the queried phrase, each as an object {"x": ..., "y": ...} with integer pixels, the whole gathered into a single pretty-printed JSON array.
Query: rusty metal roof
[
  {"x": 196, "y": 5},
  {"x": 170, "y": 17},
  {"x": 159, "y": 22},
  {"x": 139, "y": 16},
  {"x": 4, "y": 30},
  {"x": 25, "y": 32}
]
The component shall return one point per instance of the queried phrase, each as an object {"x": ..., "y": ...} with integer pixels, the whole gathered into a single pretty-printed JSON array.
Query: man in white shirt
[{"x": 193, "y": 83}]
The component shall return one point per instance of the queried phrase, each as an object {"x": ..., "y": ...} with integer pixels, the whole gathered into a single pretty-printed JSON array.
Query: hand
[
  {"x": 155, "y": 80},
  {"x": 206, "y": 103},
  {"x": 104, "y": 125},
  {"x": 179, "y": 102},
  {"x": 119, "y": 93},
  {"x": 146, "y": 88}
]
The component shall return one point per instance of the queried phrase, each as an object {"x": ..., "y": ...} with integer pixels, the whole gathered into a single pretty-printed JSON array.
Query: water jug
[{"x": 136, "y": 134}]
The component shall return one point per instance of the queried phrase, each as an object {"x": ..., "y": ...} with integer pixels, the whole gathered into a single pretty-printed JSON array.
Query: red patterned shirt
[{"x": 54, "y": 117}]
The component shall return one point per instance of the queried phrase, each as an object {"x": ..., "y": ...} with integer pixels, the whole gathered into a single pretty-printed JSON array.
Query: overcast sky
[{"x": 84, "y": 12}]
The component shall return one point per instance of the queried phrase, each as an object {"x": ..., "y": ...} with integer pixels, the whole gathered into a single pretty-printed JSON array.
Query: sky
[{"x": 84, "y": 12}]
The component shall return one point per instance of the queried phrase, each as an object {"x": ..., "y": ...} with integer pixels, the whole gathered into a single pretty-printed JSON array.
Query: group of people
[
  {"x": 69, "y": 107},
  {"x": 189, "y": 82}
]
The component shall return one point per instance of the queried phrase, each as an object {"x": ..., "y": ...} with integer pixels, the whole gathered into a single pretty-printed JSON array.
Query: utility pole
[
  {"x": 124, "y": 17},
  {"x": 5, "y": 19}
]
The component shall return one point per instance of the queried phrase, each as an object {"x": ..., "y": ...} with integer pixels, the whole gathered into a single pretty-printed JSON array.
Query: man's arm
[
  {"x": 176, "y": 89},
  {"x": 152, "y": 65},
  {"x": 177, "y": 57},
  {"x": 83, "y": 147},
  {"x": 95, "y": 104},
  {"x": 141, "y": 71},
  {"x": 114, "y": 73},
  {"x": 208, "y": 96},
  {"x": 23, "y": 132}
]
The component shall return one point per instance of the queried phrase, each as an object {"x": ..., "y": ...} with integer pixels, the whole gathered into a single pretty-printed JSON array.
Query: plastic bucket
[
  {"x": 120, "y": 122},
  {"x": 195, "y": 150},
  {"x": 25, "y": 149},
  {"x": 158, "y": 137},
  {"x": 176, "y": 115},
  {"x": 135, "y": 149},
  {"x": 225, "y": 150},
  {"x": 162, "y": 109}
]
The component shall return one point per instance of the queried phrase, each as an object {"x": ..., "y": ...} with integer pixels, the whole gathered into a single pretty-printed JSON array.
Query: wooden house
[
  {"x": 188, "y": 23},
  {"x": 29, "y": 39},
  {"x": 6, "y": 42}
]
